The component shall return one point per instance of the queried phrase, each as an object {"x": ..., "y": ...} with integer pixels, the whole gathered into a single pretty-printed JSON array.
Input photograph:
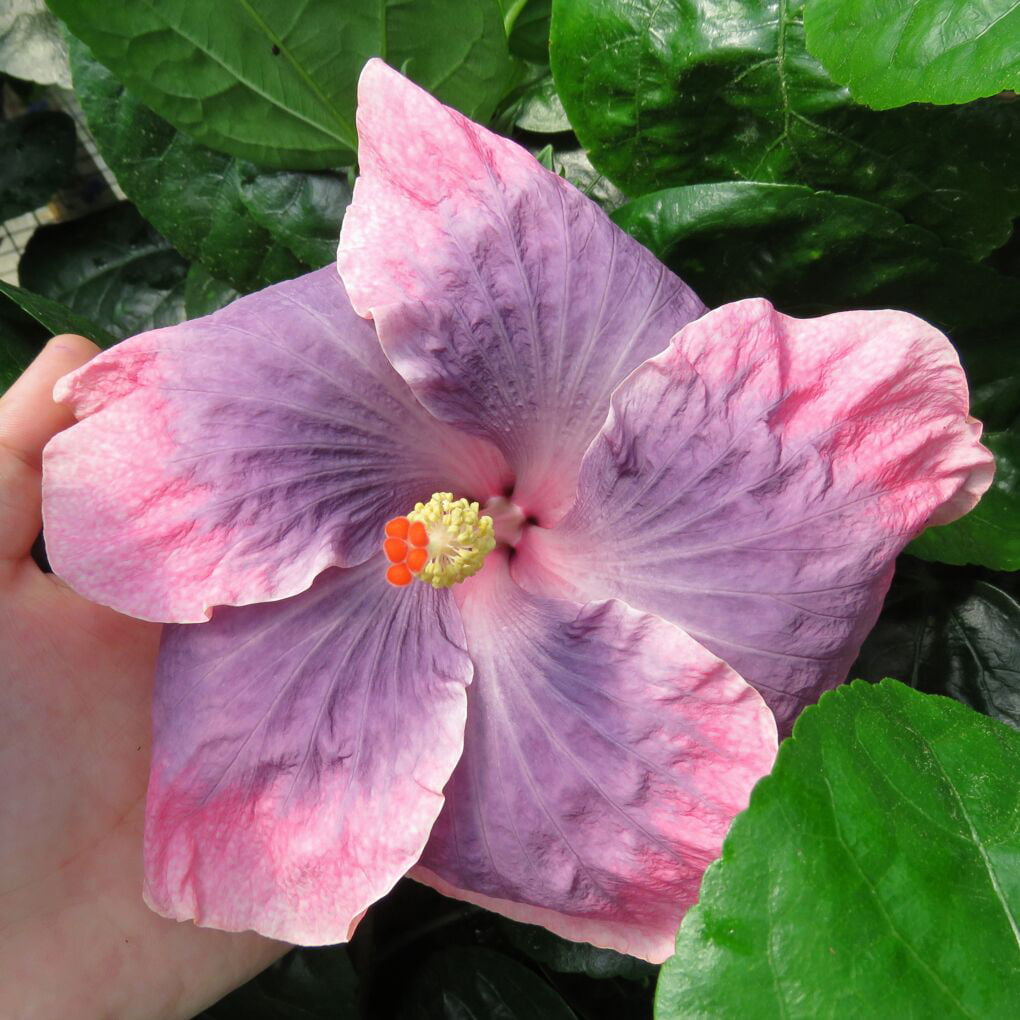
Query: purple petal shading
[
  {"x": 755, "y": 482},
  {"x": 299, "y": 755},
  {"x": 606, "y": 753},
  {"x": 508, "y": 300},
  {"x": 230, "y": 459}
]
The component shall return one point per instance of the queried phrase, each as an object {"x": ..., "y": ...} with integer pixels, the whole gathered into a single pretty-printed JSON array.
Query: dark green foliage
[
  {"x": 38, "y": 152},
  {"x": 803, "y": 250},
  {"x": 110, "y": 267},
  {"x": 672, "y": 92},
  {"x": 950, "y": 631},
  {"x": 21, "y": 338},
  {"x": 242, "y": 223}
]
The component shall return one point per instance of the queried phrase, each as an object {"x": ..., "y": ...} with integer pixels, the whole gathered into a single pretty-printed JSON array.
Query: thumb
[{"x": 28, "y": 419}]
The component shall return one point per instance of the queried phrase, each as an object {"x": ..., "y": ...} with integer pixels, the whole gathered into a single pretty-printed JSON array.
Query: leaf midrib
[
  {"x": 346, "y": 134},
  {"x": 979, "y": 846}
]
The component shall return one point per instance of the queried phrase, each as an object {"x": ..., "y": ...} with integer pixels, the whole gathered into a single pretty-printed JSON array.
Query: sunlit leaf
[
  {"x": 873, "y": 875},
  {"x": 274, "y": 81},
  {"x": 892, "y": 52},
  {"x": 674, "y": 92}
]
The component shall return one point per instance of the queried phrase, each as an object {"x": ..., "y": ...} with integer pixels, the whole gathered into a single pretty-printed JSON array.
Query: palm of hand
[{"x": 75, "y": 935}]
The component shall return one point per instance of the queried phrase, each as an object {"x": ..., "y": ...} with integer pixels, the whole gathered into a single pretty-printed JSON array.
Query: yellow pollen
[{"x": 458, "y": 540}]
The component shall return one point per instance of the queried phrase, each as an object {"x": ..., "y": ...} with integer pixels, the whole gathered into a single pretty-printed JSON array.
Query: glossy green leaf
[
  {"x": 204, "y": 294},
  {"x": 892, "y": 52},
  {"x": 874, "y": 873},
  {"x": 38, "y": 153},
  {"x": 990, "y": 534},
  {"x": 569, "y": 957},
  {"x": 302, "y": 211},
  {"x": 812, "y": 252},
  {"x": 110, "y": 267},
  {"x": 247, "y": 226},
  {"x": 56, "y": 317},
  {"x": 478, "y": 984},
  {"x": 944, "y": 631},
  {"x": 674, "y": 92},
  {"x": 274, "y": 81}
]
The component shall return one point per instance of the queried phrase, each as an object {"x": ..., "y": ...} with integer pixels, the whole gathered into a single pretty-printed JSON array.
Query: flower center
[{"x": 442, "y": 542}]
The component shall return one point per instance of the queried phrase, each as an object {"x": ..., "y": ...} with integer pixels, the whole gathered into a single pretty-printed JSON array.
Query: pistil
[{"x": 442, "y": 542}]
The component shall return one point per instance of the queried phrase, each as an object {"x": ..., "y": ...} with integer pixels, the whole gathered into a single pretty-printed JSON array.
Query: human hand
[{"x": 76, "y": 939}]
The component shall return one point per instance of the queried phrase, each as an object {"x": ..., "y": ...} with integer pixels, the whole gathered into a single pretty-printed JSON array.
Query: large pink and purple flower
[{"x": 691, "y": 537}]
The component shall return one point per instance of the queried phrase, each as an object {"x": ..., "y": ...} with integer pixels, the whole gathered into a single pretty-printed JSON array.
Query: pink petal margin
[
  {"x": 508, "y": 300},
  {"x": 230, "y": 459},
  {"x": 605, "y": 756},
  {"x": 300, "y": 752},
  {"x": 755, "y": 482}
]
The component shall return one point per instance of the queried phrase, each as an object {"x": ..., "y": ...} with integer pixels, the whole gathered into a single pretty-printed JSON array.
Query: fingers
[{"x": 28, "y": 419}]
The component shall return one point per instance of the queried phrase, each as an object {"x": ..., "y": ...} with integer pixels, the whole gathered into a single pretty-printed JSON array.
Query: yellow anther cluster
[{"x": 459, "y": 538}]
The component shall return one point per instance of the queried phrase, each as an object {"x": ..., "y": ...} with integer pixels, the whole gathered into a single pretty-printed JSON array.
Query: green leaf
[
  {"x": 893, "y": 52},
  {"x": 204, "y": 294},
  {"x": 573, "y": 957},
  {"x": 302, "y": 211},
  {"x": 574, "y": 165},
  {"x": 274, "y": 81},
  {"x": 109, "y": 266},
  {"x": 248, "y": 227},
  {"x": 813, "y": 252},
  {"x": 946, "y": 632},
  {"x": 56, "y": 317},
  {"x": 540, "y": 109},
  {"x": 873, "y": 874},
  {"x": 545, "y": 157},
  {"x": 38, "y": 154},
  {"x": 993, "y": 369},
  {"x": 673, "y": 92},
  {"x": 529, "y": 36},
  {"x": 32, "y": 45},
  {"x": 478, "y": 984},
  {"x": 21, "y": 339},
  {"x": 990, "y": 534}
]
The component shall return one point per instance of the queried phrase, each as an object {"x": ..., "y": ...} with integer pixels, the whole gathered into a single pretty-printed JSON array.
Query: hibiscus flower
[{"x": 472, "y": 570}]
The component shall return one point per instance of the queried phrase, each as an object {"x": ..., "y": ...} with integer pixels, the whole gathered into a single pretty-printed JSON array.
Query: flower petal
[
  {"x": 299, "y": 754},
  {"x": 605, "y": 756},
  {"x": 230, "y": 459},
  {"x": 508, "y": 300},
  {"x": 754, "y": 483}
]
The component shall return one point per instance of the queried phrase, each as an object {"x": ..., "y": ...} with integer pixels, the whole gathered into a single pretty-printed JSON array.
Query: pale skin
[{"x": 76, "y": 938}]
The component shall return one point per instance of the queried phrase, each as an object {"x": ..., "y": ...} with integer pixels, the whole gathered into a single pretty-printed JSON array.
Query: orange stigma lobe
[
  {"x": 398, "y": 575},
  {"x": 397, "y": 528},
  {"x": 406, "y": 560},
  {"x": 395, "y": 550},
  {"x": 416, "y": 559}
]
